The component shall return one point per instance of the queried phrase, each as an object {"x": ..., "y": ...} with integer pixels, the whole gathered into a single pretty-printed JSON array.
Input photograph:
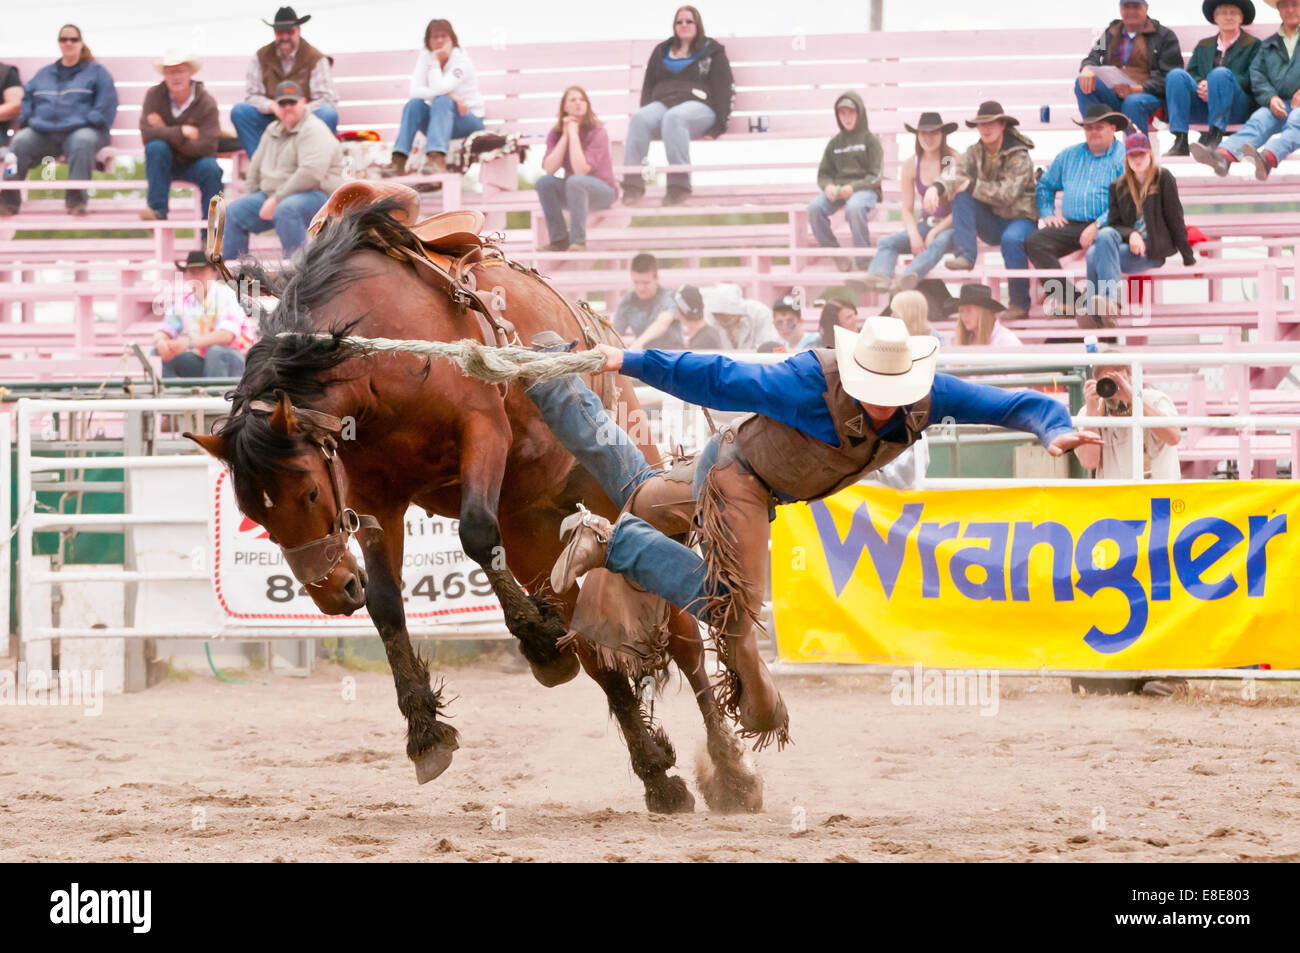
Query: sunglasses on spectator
[
  {"x": 69, "y": 39},
  {"x": 786, "y": 322}
]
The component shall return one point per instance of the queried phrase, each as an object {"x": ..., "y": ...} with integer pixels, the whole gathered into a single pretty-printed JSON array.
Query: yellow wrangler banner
[{"x": 1192, "y": 575}]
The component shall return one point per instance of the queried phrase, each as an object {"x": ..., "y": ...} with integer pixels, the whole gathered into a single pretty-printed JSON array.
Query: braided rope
[{"x": 493, "y": 365}]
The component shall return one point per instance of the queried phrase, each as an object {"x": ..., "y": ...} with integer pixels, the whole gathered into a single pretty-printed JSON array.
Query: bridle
[{"x": 311, "y": 562}]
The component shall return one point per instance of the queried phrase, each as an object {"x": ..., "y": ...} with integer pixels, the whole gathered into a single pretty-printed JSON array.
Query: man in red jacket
[{"x": 180, "y": 128}]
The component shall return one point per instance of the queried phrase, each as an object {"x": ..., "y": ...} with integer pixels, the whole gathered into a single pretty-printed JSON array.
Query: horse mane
[{"x": 303, "y": 368}]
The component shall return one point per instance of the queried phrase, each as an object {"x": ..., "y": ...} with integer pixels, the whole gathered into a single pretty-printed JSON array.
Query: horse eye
[{"x": 315, "y": 492}]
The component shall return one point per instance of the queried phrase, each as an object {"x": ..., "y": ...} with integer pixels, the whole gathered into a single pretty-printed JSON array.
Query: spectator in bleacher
[
  {"x": 1143, "y": 226},
  {"x": 929, "y": 239},
  {"x": 1273, "y": 131},
  {"x": 1215, "y": 87},
  {"x": 293, "y": 172},
  {"x": 912, "y": 308},
  {"x": 977, "y": 319},
  {"x": 68, "y": 109},
  {"x": 787, "y": 318},
  {"x": 206, "y": 332},
  {"x": 697, "y": 333},
  {"x": 686, "y": 94},
  {"x": 849, "y": 179},
  {"x": 579, "y": 143},
  {"x": 745, "y": 324},
  {"x": 1113, "y": 460},
  {"x": 991, "y": 188},
  {"x": 1144, "y": 50},
  {"x": 287, "y": 57},
  {"x": 180, "y": 127},
  {"x": 445, "y": 102},
  {"x": 836, "y": 312},
  {"x": 11, "y": 102},
  {"x": 1082, "y": 174},
  {"x": 646, "y": 316}
]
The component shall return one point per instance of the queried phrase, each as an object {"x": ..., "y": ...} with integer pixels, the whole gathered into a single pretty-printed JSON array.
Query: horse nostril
[
  {"x": 365, "y": 579},
  {"x": 353, "y": 589}
]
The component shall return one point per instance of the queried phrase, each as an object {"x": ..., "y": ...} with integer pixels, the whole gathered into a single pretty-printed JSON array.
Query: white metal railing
[{"x": 6, "y": 524}]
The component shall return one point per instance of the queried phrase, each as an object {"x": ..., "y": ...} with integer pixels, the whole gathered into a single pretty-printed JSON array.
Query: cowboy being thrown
[{"x": 820, "y": 421}]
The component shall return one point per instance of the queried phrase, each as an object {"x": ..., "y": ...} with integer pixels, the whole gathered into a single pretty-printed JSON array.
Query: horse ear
[
  {"x": 215, "y": 444},
  {"x": 283, "y": 421}
]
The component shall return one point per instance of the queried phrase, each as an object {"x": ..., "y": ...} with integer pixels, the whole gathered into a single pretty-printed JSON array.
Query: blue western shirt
[
  {"x": 793, "y": 390},
  {"x": 1084, "y": 178}
]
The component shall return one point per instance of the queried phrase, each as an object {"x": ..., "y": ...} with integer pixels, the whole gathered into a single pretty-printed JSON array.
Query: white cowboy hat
[
  {"x": 884, "y": 365},
  {"x": 725, "y": 299},
  {"x": 175, "y": 57}
]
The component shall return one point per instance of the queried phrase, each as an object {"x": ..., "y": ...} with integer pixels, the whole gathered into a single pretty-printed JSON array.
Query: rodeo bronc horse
[{"x": 427, "y": 434}]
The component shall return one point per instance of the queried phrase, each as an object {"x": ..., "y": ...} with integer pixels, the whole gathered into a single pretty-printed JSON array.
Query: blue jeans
[
  {"x": 78, "y": 146},
  {"x": 439, "y": 122},
  {"x": 900, "y": 243},
  {"x": 972, "y": 220},
  {"x": 250, "y": 124},
  {"x": 1228, "y": 103},
  {"x": 580, "y": 193},
  {"x": 1266, "y": 132},
  {"x": 857, "y": 208},
  {"x": 636, "y": 549},
  {"x": 218, "y": 361},
  {"x": 292, "y": 216},
  {"x": 162, "y": 168},
  {"x": 676, "y": 127},
  {"x": 1108, "y": 257},
  {"x": 1139, "y": 107}
]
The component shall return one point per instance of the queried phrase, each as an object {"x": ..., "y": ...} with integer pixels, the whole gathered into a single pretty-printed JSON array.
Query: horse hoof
[
  {"x": 433, "y": 762},
  {"x": 563, "y": 669},
  {"x": 728, "y": 785},
  {"x": 669, "y": 796}
]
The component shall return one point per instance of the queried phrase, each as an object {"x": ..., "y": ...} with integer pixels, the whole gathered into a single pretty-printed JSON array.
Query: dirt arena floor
[{"x": 202, "y": 770}]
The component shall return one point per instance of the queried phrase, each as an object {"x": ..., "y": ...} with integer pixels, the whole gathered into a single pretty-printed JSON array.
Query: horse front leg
[
  {"x": 535, "y": 624},
  {"x": 429, "y": 742}
]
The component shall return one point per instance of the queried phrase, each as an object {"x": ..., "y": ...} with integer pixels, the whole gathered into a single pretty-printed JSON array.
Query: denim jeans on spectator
[
  {"x": 161, "y": 168},
  {"x": 676, "y": 127},
  {"x": 1228, "y": 104},
  {"x": 857, "y": 209},
  {"x": 292, "y": 216},
  {"x": 1266, "y": 132},
  {"x": 972, "y": 220},
  {"x": 1109, "y": 256},
  {"x": 250, "y": 124},
  {"x": 636, "y": 549},
  {"x": 79, "y": 146},
  {"x": 1139, "y": 107},
  {"x": 900, "y": 243},
  {"x": 217, "y": 361},
  {"x": 440, "y": 124},
  {"x": 580, "y": 193}
]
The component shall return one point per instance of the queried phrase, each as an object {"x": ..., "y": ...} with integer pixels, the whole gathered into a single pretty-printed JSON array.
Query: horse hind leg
[{"x": 728, "y": 784}]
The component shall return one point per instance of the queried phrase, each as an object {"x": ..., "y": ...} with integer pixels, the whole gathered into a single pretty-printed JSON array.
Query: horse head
[{"x": 288, "y": 477}]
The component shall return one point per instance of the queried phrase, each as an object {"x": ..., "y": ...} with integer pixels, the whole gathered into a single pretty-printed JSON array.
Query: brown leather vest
[
  {"x": 304, "y": 61},
  {"x": 804, "y": 467}
]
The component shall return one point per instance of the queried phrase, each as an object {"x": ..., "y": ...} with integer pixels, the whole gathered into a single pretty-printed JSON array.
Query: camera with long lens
[{"x": 1107, "y": 388}]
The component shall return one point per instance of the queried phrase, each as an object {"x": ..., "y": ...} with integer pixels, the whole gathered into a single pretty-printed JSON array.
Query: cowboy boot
[
  {"x": 1180, "y": 147},
  {"x": 585, "y": 550},
  {"x": 394, "y": 168},
  {"x": 435, "y": 163},
  {"x": 761, "y": 709}
]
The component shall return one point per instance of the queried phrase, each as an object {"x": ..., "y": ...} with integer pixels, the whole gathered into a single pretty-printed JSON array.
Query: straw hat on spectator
[
  {"x": 726, "y": 298},
  {"x": 178, "y": 57},
  {"x": 883, "y": 364}
]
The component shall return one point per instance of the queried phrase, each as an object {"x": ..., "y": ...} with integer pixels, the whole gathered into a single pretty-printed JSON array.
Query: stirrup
[{"x": 585, "y": 517}]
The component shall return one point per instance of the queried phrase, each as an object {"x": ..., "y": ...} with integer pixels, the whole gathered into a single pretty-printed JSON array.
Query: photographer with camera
[{"x": 1110, "y": 394}]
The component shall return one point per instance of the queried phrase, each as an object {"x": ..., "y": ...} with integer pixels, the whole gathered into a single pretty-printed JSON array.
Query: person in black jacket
[
  {"x": 1130, "y": 240},
  {"x": 686, "y": 94}
]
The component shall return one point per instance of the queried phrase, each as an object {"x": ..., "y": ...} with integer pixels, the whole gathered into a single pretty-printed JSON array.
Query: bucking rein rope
[{"x": 490, "y": 364}]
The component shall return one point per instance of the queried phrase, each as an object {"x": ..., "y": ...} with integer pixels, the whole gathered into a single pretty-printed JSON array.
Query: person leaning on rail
[{"x": 819, "y": 421}]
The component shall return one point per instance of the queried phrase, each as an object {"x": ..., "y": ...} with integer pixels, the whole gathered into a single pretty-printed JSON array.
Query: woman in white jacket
[{"x": 445, "y": 102}]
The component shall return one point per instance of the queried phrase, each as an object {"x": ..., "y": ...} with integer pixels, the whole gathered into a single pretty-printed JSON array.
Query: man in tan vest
[
  {"x": 820, "y": 421},
  {"x": 289, "y": 57}
]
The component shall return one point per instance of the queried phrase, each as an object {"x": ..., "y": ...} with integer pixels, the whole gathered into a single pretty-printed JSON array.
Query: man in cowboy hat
[
  {"x": 180, "y": 127},
  {"x": 848, "y": 177},
  {"x": 820, "y": 420},
  {"x": 745, "y": 325},
  {"x": 1273, "y": 131},
  {"x": 288, "y": 57},
  {"x": 204, "y": 332},
  {"x": 1215, "y": 87},
  {"x": 991, "y": 188},
  {"x": 1144, "y": 50},
  {"x": 1082, "y": 174}
]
